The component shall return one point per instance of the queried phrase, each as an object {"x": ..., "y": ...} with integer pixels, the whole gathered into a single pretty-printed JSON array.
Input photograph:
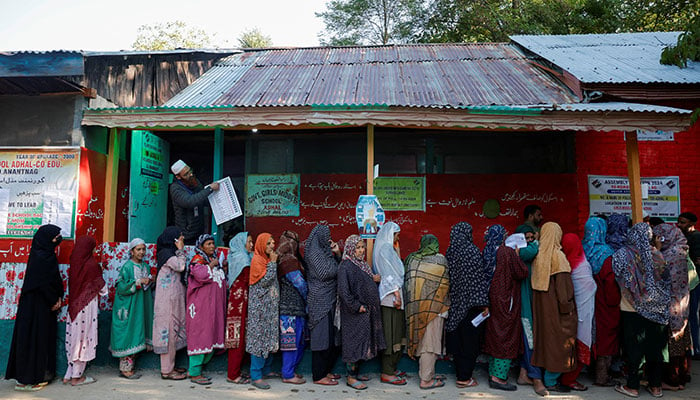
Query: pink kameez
[{"x": 81, "y": 338}]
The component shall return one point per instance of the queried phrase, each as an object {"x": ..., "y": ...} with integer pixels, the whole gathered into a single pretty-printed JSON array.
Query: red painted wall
[{"x": 599, "y": 153}]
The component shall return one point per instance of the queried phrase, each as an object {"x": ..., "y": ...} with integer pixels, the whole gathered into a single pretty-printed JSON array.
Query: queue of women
[{"x": 547, "y": 309}]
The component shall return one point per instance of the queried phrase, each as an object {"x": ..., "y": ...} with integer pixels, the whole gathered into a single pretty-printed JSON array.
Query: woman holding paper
[
  {"x": 206, "y": 304},
  {"x": 469, "y": 289},
  {"x": 503, "y": 338},
  {"x": 427, "y": 286},
  {"x": 554, "y": 309}
]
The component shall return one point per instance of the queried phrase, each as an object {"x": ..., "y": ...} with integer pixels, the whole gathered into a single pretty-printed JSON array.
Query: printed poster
[
  {"x": 272, "y": 195},
  {"x": 224, "y": 203},
  {"x": 611, "y": 194},
  {"x": 369, "y": 215},
  {"x": 38, "y": 186},
  {"x": 401, "y": 193}
]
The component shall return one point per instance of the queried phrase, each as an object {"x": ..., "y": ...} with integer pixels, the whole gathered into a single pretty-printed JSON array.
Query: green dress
[
  {"x": 132, "y": 314},
  {"x": 527, "y": 254}
]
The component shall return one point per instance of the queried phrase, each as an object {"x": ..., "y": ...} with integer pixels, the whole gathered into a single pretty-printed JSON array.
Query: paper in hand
[
  {"x": 480, "y": 318},
  {"x": 516, "y": 241}
]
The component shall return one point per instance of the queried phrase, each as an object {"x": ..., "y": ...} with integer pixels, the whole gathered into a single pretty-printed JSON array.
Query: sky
[{"x": 99, "y": 25}]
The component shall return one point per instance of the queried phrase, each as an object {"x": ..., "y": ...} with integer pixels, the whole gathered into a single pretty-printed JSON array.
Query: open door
[{"x": 148, "y": 186}]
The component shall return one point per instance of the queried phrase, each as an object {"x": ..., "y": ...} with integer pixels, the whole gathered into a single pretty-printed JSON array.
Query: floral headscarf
[
  {"x": 594, "y": 246},
  {"x": 618, "y": 225},
  {"x": 495, "y": 236},
  {"x": 349, "y": 254}
]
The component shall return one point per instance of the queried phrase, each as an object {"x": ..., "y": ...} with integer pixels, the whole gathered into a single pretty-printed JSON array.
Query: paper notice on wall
[
  {"x": 58, "y": 210},
  {"x": 224, "y": 203},
  {"x": 4, "y": 210}
]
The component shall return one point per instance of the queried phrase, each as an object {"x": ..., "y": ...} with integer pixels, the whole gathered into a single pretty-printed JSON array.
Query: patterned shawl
[
  {"x": 618, "y": 225},
  {"x": 322, "y": 273},
  {"x": 238, "y": 256},
  {"x": 469, "y": 286},
  {"x": 349, "y": 254},
  {"x": 594, "y": 246},
  {"x": 675, "y": 251},
  {"x": 426, "y": 289},
  {"x": 550, "y": 259},
  {"x": 258, "y": 264},
  {"x": 288, "y": 249},
  {"x": 387, "y": 262},
  {"x": 494, "y": 237},
  {"x": 84, "y": 276},
  {"x": 634, "y": 269}
]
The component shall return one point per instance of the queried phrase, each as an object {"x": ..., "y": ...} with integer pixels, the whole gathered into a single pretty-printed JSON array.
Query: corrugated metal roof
[
  {"x": 427, "y": 75},
  {"x": 618, "y": 106},
  {"x": 612, "y": 58}
]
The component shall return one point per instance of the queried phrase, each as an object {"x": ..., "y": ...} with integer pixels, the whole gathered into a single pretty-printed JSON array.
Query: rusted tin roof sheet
[{"x": 427, "y": 75}]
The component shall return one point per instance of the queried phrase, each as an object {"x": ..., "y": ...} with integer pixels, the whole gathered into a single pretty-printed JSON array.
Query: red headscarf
[
  {"x": 258, "y": 265},
  {"x": 84, "y": 276},
  {"x": 572, "y": 247}
]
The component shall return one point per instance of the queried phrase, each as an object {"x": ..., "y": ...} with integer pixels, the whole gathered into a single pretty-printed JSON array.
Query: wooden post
[
  {"x": 634, "y": 175},
  {"x": 370, "y": 182},
  {"x": 111, "y": 180},
  {"x": 218, "y": 172}
]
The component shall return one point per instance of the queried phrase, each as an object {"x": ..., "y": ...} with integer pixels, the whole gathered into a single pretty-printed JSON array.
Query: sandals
[
  {"x": 294, "y": 381},
  {"x": 357, "y": 385},
  {"x": 579, "y": 387},
  {"x": 133, "y": 375},
  {"x": 28, "y": 388},
  {"x": 241, "y": 380},
  {"x": 436, "y": 383},
  {"x": 394, "y": 381},
  {"x": 333, "y": 376},
  {"x": 174, "y": 375},
  {"x": 200, "y": 380},
  {"x": 261, "y": 384},
  {"x": 326, "y": 381},
  {"x": 658, "y": 394},
  {"x": 180, "y": 370},
  {"x": 623, "y": 390},
  {"x": 88, "y": 380},
  {"x": 467, "y": 384}
]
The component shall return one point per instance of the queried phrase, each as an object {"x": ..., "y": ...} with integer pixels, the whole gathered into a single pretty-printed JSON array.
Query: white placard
[
  {"x": 224, "y": 203},
  {"x": 611, "y": 194},
  {"x": 58, "y": 210},
  {"x": 516, "y": 241},
  {"x": 4, "y": 210}
]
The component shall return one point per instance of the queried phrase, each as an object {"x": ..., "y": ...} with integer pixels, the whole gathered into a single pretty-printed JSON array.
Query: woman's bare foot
[
  {"x": 326, "y": 381},
  {"x": 538, "y": 386},
  {"x": 523, "y": 379},
  {"x": 295, "y": 380},
  {"x": 666, "y": 386}
]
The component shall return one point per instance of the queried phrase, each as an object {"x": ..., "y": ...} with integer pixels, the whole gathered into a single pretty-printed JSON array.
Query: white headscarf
[
  {"x": 386, "y": 261},
  {"x": 238, "y": 256},
  {"x": 135, "y": 242}
]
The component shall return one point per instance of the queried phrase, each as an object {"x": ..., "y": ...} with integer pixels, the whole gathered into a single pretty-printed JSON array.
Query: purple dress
[{"x": 206, "y": 308}]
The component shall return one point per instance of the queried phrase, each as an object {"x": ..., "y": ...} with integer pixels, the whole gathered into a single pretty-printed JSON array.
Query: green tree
[
  {"x": 686, "y": 48},
  {"x": 355, "y": 22},
  {"x": 254, "y": 39},
  {"x": 171, "y": 35}
]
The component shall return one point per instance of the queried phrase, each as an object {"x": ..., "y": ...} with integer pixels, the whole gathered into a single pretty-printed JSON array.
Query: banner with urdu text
[
  {"x": 38, "y": 186},
  {"x": 611, "y": 194}
]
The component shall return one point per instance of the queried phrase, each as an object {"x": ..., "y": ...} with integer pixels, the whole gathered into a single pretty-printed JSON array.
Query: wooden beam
[
  {"x": 218, "y": 172},
  {"x": 111, "y": 180},
  {"x": 634, "y": 175},
  {"x": 370, "y": 182}
]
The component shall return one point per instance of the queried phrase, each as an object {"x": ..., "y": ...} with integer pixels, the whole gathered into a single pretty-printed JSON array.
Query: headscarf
[
  {"x": 584, "y": 286},
  {"x": 165, "y": 245},
  {"x": 258, "y": 264},
  {"x": 387, "y": 262},
  {"x": 42, "y": 265},
  {"x": 322, "y": 274},
  {"x": 203, "y": 238},
  {"x": 429, "y": 245},
  {"x": 674, "y": 248},
  {"x": 469, "y": 286},
  {"x": 618, "y": 225},
  {"x": 494, "y": 237},
  {"x": 134, "y": 243},
  {"x": 349, "y": 254},
  {"x": 525, "y": 228},
  {"x": 634, "y": 269},
  {"x": 84, "y": 276},
  {"x": 238, "y": 256},
  {"x": 288, "y": 250},
  {"x": 550, "y": 260},
  {"x": 426, "y": 287},
  {"x": 594, "y": 245}
]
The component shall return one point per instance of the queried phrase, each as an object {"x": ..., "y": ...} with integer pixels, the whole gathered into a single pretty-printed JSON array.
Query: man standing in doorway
[
  {"x": 686, "y": 223},
  {"x": 533, "y": 217},
  {"x": 189, "y": 198}
]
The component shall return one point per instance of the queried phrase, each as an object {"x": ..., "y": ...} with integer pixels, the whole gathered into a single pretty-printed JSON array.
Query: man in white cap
[{"x": 189, "y": 198}]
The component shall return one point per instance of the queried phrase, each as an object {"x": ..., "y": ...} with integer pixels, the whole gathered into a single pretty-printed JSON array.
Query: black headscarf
[
  {"x": 42, "y": 266},
  {"x": 322, "y": 270},
  {"x": 166, "y": 244},
  {"x": 469, "y": 284}
]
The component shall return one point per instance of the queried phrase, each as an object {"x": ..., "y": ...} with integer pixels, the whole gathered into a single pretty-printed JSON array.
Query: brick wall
[{"x": 603, "y": 153}]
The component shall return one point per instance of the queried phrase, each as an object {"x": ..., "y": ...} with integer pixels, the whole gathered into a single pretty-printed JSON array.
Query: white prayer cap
[
  {"x": 178, "y": 167},
  {"x": 135, "y": 242}
]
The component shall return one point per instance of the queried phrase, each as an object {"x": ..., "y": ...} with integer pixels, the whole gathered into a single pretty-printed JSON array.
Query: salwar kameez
[{"x": 81, "y": 338}]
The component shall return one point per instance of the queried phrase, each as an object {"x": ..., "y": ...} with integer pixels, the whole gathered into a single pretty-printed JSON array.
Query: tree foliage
[
  {"x": 687, "y": 47},
  {"x": 254, "y": 39},
  {"x": 354, "y": 22},
  {"x": 169, "y": 36}
]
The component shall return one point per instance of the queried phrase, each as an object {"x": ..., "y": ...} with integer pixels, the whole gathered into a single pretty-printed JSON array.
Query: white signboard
[
  {"x": 224, "y": 203},
  {"x": 611, "y": 194}
]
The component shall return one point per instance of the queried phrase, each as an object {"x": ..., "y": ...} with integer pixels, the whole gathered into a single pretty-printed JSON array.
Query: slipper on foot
[
  {"x": 326, "y": 382},
  {"x": 239, "y": 381},
  {"x": 579, "y": 387},
  {"x": 88, "y": 380},
  {"x": 435, "y": 384},
  {"x": 130, "y": 377},
  {"x": 28, "y": 388},
  {"x": 467, "y": 384},
  {"x": 294, "y": 381},
  {"x": 200, "y": 380},
  {"x": 394, "y": 381},
  {"x": 357, "y": 385},
  {"x": 509, "y": 387},
  {"x": 363, "y": 378},
  {"x": 623, "y": 390},
  {"x": 261, "y": 385},
  {"x": 658, "y": 394}
]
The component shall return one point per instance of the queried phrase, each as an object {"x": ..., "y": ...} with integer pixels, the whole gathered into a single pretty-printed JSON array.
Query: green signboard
[
  {"x": 148, "y": 187},
  {"x": 401, "y": 193},
  {"x": 272, "y": 195}
]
